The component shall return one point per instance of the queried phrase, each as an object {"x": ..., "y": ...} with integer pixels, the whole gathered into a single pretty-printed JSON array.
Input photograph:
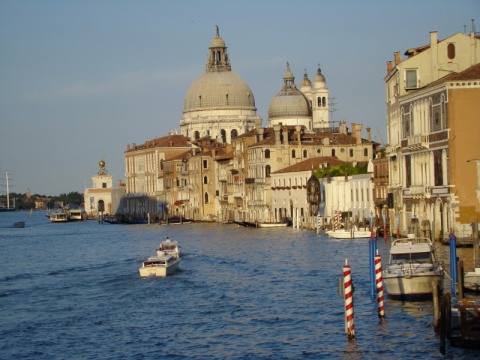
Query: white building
[{"x": 103, "y": 197}]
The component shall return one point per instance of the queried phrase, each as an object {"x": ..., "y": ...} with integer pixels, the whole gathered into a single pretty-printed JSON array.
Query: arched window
[
  {"x": 205, "y": 180},
  {"x": 267, "y": 171},
  {"x": 234, "y": 133},
  {"x": 324, "y": 101},
  {"x": 319, "y": 101},
  {"x": 293, "y": 154},
  {"x": 206, "y": 198},
  {"x": 451, "y": 51},
  {"x": 196, "y": 135},
  {"x": 223, "y": 135},
  {"x": 267, "y": 154},
  {"x": 304, "y": 153}
]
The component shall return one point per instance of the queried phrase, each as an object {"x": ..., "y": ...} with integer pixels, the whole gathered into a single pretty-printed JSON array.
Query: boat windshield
[{"x": 419, "y": 257}]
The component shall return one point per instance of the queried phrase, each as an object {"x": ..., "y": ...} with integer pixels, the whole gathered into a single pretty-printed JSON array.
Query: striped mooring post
[
  {"x": 348, "y": 296},
  {"x": 379, "y": 282}
]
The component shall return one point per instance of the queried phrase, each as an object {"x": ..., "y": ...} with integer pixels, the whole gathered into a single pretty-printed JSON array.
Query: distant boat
[
  {"x": 59, "y": 217},
  {"x": 19, "y": 224}
]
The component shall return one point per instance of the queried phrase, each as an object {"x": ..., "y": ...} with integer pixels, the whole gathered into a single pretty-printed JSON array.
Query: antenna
[{"x": 332, "y": 108}]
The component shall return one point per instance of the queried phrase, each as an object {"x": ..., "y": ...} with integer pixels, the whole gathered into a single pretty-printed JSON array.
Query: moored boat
[
  {"x": 159, "y": 266},
  {"x": 413, "y": 269},
  {"x": 471, "y": 281},
  {"x": 58, "y": 217},
  {"x": 352, "y": 233}
]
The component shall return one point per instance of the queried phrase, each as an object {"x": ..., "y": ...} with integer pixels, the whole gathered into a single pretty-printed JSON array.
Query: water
[{"x": 73, "y": 291}]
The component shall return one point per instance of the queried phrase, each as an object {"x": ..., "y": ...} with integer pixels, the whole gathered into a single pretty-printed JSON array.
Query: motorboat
[
  {"x": 471, "y": 281},
  {"x": 169, "y": 247},
  {"x": 413, "y": 268},
  {"x": 58, "y": 217},
  {"x": 258, "y": 224},
  {"x": 163, "y": 265},
  {"x": 352, "y": 233},
  {"x": 19, "y": 224}
]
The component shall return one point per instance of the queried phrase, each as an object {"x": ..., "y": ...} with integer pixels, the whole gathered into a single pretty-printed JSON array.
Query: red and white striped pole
[
  {"x": 348, "y": 291},
  {"x": 379, "y": 282}
]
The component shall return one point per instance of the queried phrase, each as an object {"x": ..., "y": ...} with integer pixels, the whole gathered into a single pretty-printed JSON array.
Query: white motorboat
[
  {"x": 159, "y": 266},
  {"x": 471, "y": 280},
  {"x": 413, "y": 268},
  {"x": 169, "y": 247},
  {"x": 352, "y": 233}
]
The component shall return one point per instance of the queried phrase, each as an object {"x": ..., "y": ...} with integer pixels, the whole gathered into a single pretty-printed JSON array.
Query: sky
[{"x": 81, "y": 80}]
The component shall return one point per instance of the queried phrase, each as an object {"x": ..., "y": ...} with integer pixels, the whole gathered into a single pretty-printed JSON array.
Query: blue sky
[{"x": 83, "y": 79}]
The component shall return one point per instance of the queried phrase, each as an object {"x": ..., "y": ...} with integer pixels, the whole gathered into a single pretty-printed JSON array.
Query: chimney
[
  {"x": 260, "y": 132},
  {"x": 389, "y": 66},
  {"x": 369, "y": 135},
  {"x": 433, "y": 38},
  {"x": 285, "y": 136},
  {"x": 396, "y": 56},
  {"x": 276, "y": 129},
  {"x": 357, "y": 132}
]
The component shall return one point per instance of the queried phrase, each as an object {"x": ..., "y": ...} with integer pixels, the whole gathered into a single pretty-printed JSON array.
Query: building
[
  {"x": 219, "y": 103},
  {"x": 220, "y": 167},
  {"x": 432, "y": 127},
  {"x": 103, "y": 198}
]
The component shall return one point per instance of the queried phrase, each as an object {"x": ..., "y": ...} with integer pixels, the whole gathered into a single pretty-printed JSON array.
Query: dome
[
  {"x": 290, "y": 102},
  {"x": 306, "y": 81},
  {"x": 219, "y": 90},
  {"x": 319, "y": 77},
  {"x": 217, "y": 41}
]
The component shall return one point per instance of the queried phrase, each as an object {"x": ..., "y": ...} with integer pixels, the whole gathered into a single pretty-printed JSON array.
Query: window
[
  {"x": 267, "y": 154},
  {"x": 411, "y": 79},
  {"x": 451, "y": 51},
  {"x": 196, "y": 135},
  {"x": 104, "y": 185},
  {"x": 304, "y": 153},
  {"x": 293, "y": 154},
  {"x": 206, "y": 198},
  {"x": 267, "y": 171},
  {"x": 205, "y": 180},
  {"x": 333, "y": 152},
  {"x": 365, "y": 152},
  {"x": 205, "y": 164},
  {"x": 233, "y": 133},
  {"x": 351, "y": 152},
  {"x": 223, "y": 134}
]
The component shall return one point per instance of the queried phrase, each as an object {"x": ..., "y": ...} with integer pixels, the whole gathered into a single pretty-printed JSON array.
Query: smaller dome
[
  {"x": 289, "y": 102},
  {"x": 319, "y": 77},
  {"x": 306, "y": 81}
]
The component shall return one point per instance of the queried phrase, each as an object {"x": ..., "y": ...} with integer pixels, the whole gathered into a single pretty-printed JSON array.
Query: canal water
[{"x": 72, "y": 291}]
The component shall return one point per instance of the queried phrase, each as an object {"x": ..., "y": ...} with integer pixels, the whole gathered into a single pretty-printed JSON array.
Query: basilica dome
[
  {"x": 289, "y": 102},
  {"x": 219, "y": 90}
]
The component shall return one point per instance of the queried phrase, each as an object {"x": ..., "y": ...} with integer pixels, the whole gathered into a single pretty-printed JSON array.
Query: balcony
[{"x": 417, "y": 142}]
